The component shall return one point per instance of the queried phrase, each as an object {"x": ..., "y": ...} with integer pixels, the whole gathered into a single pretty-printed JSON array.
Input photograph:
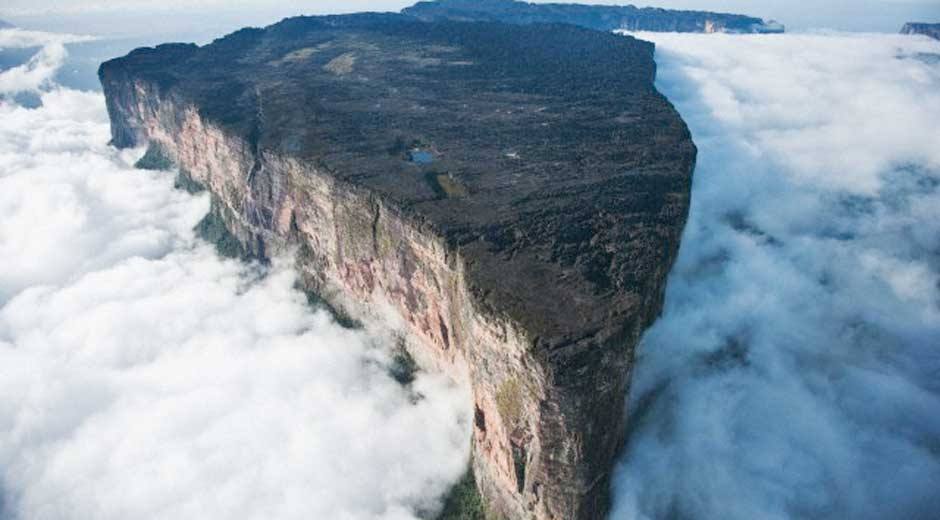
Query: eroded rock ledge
[{"x": 515, "y": 194}]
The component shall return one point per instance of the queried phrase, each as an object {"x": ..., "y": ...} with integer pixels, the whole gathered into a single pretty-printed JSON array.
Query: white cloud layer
[
  {"x": 22, "y": 39},
  {"x": 38, "y": 72},
  {"x": 795, "y": 372},
  {"x": 143, "y": 377}
]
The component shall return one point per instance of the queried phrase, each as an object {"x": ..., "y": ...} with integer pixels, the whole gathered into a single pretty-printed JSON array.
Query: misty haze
[{"x": 469, "y": 260}]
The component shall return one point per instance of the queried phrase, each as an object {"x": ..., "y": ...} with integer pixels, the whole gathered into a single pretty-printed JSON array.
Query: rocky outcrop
[
  {"x": 598, "y": 17},
  {"x": 514, "y": 195},
  {"x": 927, "y": 29}
]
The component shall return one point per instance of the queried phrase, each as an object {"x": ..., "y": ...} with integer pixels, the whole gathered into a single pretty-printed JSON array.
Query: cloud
[
  {"x": 795, "y": 372},
  {"x": 143, "y": 377},
  {"x": 38, "y": 72},
  {"x": 22, "y": 39}
]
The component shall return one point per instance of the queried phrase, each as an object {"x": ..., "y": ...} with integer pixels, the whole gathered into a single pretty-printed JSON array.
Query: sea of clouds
[
  {"x": 795, "y": 372},
  {"x": 142, "y": 376},
  {"x": 38, "y": 72}
]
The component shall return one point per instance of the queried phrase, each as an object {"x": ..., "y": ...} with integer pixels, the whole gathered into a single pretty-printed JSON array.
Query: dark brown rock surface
[{"x": 516, "y": 194}]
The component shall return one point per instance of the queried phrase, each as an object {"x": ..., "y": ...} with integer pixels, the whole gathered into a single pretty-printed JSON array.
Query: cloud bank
[
  {"x": 143, "y": 377},
  {"x": 39, "y": 71},
  {"x": 795, "y": 372}
]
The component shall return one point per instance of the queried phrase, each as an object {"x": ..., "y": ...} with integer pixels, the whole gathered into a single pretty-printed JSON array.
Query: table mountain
[{"x": 514, "y": 195}]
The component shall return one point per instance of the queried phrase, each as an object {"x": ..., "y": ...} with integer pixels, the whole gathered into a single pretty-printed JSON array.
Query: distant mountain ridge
[
  {"x": 927, "y": 29},
  {"x": 598, "y": 17},
  {"x": 6, "y": 25}
]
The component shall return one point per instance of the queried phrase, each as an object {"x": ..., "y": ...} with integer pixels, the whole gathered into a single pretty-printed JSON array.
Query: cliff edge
[
  {"x": 927, "y": 29},
  {"x": 598, "y": 17},
  {"x": 515, "y": 194}
]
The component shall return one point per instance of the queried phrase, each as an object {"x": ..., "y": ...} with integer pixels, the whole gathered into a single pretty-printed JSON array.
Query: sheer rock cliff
[{"x": 515, "y": 194}]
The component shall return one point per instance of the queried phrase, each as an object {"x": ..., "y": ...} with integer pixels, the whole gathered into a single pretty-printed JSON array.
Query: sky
[{"x": 133, "y": 17}]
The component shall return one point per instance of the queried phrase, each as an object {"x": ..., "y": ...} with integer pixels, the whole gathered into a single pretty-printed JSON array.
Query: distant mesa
[
  {"x": 927, "y": 29},
  {"x": 598, "y": 17}
]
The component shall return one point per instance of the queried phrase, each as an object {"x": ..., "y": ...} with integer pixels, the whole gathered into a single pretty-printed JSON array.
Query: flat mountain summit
[{"x": 546, "y": 157}]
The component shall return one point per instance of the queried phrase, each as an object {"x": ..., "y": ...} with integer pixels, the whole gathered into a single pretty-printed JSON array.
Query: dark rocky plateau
[
  {"x": 598, "y": 17},
  {"x": 927, "y": 29},
  {"x": 516, "y": 193}
]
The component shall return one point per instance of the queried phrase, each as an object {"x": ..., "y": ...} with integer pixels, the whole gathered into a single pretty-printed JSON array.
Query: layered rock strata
[{"x": 515, "y": 195}]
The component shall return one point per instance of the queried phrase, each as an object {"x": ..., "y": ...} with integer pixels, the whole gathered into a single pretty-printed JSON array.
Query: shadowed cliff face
[
  {"x": 598, "y": 17},
  {"x": 514, "y": 195},
  {"x": 793, "y": 374}
]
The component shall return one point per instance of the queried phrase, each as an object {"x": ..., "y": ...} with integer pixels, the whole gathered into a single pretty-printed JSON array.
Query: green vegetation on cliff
[
  {"x": 463, "y": 502},
  {"x": 154, "y": 159},
  {"x": 212, "y": 229}
]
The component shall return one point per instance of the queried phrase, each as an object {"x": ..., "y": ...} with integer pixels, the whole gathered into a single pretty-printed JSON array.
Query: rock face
[
  {"x": 514, "y": 194},
  {"x": 598, "y": 17},
  {"x": 927, "y": 29}
]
